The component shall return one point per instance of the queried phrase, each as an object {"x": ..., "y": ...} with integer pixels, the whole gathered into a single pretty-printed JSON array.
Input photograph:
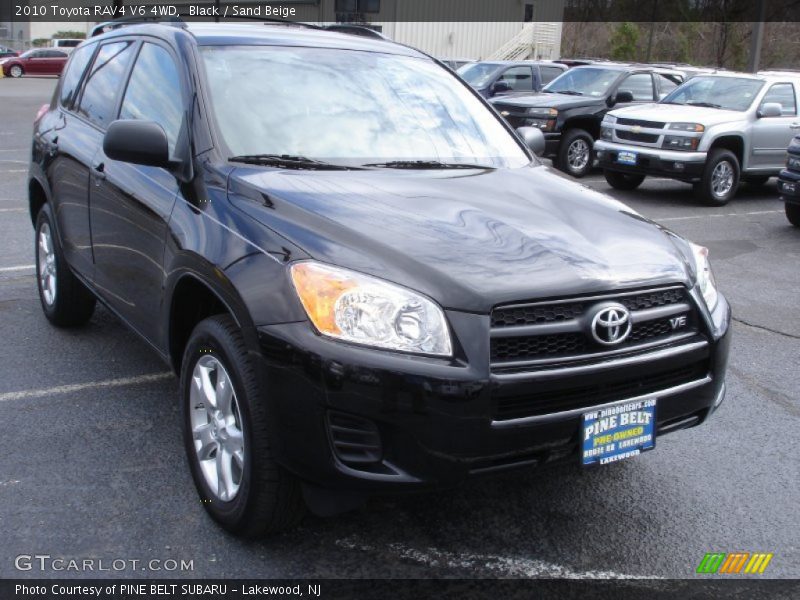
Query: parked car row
[
  {"x": 499, "y": 77},
  {"x": 712, "y": 129}
]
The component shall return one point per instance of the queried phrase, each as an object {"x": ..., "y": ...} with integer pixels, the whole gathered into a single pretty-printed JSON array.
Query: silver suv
[{"x": 712, "y": 131}]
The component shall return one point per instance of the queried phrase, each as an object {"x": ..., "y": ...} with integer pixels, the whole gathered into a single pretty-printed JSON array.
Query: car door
[
  {"x": 771, "y": 135},
  {"x": 519, "y": 79},
  {"x": 549, "y": 73},
  {"x": 35, "y": 63},
  {"x": 640, "y": 85},
  {"x": 130, "y": 205},
  {"x": 72, "y": 142}
]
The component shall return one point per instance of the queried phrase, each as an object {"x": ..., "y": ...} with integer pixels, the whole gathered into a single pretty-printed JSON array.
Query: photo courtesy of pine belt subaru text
[{"x": 365, "y": 284}]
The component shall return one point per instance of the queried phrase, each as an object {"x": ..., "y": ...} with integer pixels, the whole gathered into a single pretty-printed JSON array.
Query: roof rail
[
  {"x": 101, "y": 28},
  {"x": 361, "y": 30}
]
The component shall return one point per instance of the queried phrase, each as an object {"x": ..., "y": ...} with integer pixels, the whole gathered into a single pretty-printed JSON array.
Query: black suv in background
[
  {"x": 365, "y": 284},
  {"x": 789, "y": 183},
  {"x": 504, "y": 77},
  {"x": 569, "y": 109}
]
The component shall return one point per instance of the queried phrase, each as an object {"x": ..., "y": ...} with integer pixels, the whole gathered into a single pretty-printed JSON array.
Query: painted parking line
[
  {"x": 19, "y": 268},
  {"x": 501, "y": 566},
  {"x": 7, "y": 210},
  {"x": 718, "y": 215},
  {"x": 78, "y": 387}
]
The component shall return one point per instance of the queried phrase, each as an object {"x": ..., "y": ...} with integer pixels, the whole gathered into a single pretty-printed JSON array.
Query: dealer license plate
[
  {"x": 617, "y": 432},
  {"x": 626, "y": 158}
]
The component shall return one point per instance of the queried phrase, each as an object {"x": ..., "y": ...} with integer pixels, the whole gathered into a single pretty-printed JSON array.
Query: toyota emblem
[{"x": 611, "y": 325}]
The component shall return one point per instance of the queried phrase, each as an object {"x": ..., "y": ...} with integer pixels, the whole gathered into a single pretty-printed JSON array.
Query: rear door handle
[{"x": 99, "y": 171}]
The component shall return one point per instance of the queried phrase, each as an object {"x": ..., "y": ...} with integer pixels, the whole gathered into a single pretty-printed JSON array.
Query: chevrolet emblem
[
  {"x": 636, "y": 129},
  {"x": 505, "y": 113}
]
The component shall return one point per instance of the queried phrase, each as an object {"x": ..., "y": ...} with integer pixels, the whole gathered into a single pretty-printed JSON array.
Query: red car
[{"x": 40, "y": 61}]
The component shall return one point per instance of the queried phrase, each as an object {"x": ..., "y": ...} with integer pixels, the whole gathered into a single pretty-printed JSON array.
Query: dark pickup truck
[
  {"x": 789, "y": 182},
  {"x": 569, "y": 109}
]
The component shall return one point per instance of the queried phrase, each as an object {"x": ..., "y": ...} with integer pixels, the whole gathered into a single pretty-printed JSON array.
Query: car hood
[
  {"x": 468, "y": 239},
  {"x": 678, "y": 113},
  {"x": 562, "y": 101}
]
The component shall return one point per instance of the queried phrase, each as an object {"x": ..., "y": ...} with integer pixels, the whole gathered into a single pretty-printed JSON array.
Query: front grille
[
  {"x": 640, "y": 123},
  {"x": 618, "y": 385},
  {"x": 560, "y": 330},
  {"x": 646, "y": 138}
]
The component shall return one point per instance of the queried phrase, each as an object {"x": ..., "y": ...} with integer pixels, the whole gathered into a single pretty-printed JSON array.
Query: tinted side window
[
  {"x": 549, "y": 73},
  {"x": 72, "y": 76},
  {"x": 98, "y": 100},
  {"x": 519, "y": 78},
  {"x": 640, "y": 85},
  {"x": 666, "y": 84},
  {"x": 783, "y": 94},
  {"x": 154, "y": 92}
]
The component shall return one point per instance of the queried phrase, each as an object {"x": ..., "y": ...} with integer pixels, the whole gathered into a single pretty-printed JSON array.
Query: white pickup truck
[{"x": 713, "y": 132}]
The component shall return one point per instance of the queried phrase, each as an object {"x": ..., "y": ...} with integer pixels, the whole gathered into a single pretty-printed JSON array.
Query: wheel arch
[
  {"x": 734, "y": 143},
  {"x": 589, "y": 124},
  {"x": 37, "y": 197}
]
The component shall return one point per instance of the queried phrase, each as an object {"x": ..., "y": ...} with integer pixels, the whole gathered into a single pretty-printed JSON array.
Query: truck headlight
[
  {"x": 679, "y": 142},
  {"x": 693, "y": 127},
  {"x": 705, "y": 276},
  {"x": 357, "y": 308}
]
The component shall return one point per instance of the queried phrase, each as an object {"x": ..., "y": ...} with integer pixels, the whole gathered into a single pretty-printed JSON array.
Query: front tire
[
  {"x": 575, "y": 153},
  {"x": 65, "y": 300},
  {"x": 224, "y": 420},
  {"x": 623, "y": 181},
  {"x": 16, "y": 71},
  {"x": 793, "y": 213},
  {"x": 720, "y": 178}
]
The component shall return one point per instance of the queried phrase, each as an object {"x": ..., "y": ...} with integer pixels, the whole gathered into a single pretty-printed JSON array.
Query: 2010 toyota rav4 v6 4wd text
[{"x": 364, "y": 278}]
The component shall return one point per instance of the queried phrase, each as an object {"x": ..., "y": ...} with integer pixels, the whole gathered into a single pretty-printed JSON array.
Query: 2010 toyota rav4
[{"x": 364, "y": 278}]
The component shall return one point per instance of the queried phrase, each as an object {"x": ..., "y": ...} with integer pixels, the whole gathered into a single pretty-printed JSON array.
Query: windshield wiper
[
  {"x": 288, "y": 160},
  {"x": 570, "y": 92},
  {"x": 425, "y": 164},
  {"x": 705, "y": 104}
]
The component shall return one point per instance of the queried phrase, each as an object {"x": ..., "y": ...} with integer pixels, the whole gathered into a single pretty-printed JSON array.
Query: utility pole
[{"x": 757, "y": 38}]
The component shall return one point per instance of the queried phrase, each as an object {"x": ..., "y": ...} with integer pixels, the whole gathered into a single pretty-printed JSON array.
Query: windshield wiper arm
[
  {"x": 287, "y": 160},
  {"x": 570, "y": 92},
  {"x": 425, "y": 164},
  {"x": 705, "y": 104}
]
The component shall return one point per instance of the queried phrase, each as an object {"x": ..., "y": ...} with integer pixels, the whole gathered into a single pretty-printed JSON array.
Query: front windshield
[
  {"x": 478, "y": 74},
  {"x": 351, "y": 108},
  {"x": 729, "y": 93},
  {"x": 586, "y": 81}
]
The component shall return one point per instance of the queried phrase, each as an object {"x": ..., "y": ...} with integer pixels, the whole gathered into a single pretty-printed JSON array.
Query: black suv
[
  {"x": 569, "y": 109},
  {"x": 789, "y": 183},
  {"x": 365, "y": 284}
]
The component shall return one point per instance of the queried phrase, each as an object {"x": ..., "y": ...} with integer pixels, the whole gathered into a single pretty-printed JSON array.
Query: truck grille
[
  {"x": 559, "y": 331},
  {"x": 637, "y": 122},
  {"x": 646, "y": 138}
]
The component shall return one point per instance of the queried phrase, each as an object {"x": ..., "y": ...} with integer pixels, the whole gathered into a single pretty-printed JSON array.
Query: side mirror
[
  {"x": 623, "y": 96},
  {"x": 501, "y": 87},
  {"x": 533, "y": 138},
  {"x": 137, "y": 142},
  {"x": 770, "y": 110}
]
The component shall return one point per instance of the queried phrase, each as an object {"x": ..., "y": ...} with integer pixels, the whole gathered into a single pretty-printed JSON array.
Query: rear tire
[
  {"x": 720, "y": 178},
  {"x": 623, "y": 181},
  {"x": 793, "y": 213},
  {"x": 65, "y": 300},
  {"x": 244, "y": 490},
  {"x": 575, "y": 153},
  {"x": 16, "y": 71}
]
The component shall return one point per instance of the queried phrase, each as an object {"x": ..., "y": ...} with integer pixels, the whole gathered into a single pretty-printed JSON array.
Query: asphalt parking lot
[{"x": 93, "y": 465}]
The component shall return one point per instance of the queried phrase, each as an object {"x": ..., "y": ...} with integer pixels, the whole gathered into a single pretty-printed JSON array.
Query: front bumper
[
  {"x": 789, "y": 186},
  {"x": 434, "y": 417},
  {"x": 675, "y": 164}
]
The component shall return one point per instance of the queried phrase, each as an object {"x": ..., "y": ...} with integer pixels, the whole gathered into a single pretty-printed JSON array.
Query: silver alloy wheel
[
  {"x": 578, "y": 154},
  {"x": 47, "y": 265},
  {"x": 216, "y": 427},
  {"x": 16, "y": 71},
  {"x": 722, "y": 179}
]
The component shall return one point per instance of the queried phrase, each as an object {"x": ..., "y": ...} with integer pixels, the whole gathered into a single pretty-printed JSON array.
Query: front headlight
[
  {"x": 694, "y": 127},
  {"x": 705, "y": 276},
  {"x": 679, "y": 142},
  {"x": 542, "y": 113},
  {"x": 357, "y": 308}
]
